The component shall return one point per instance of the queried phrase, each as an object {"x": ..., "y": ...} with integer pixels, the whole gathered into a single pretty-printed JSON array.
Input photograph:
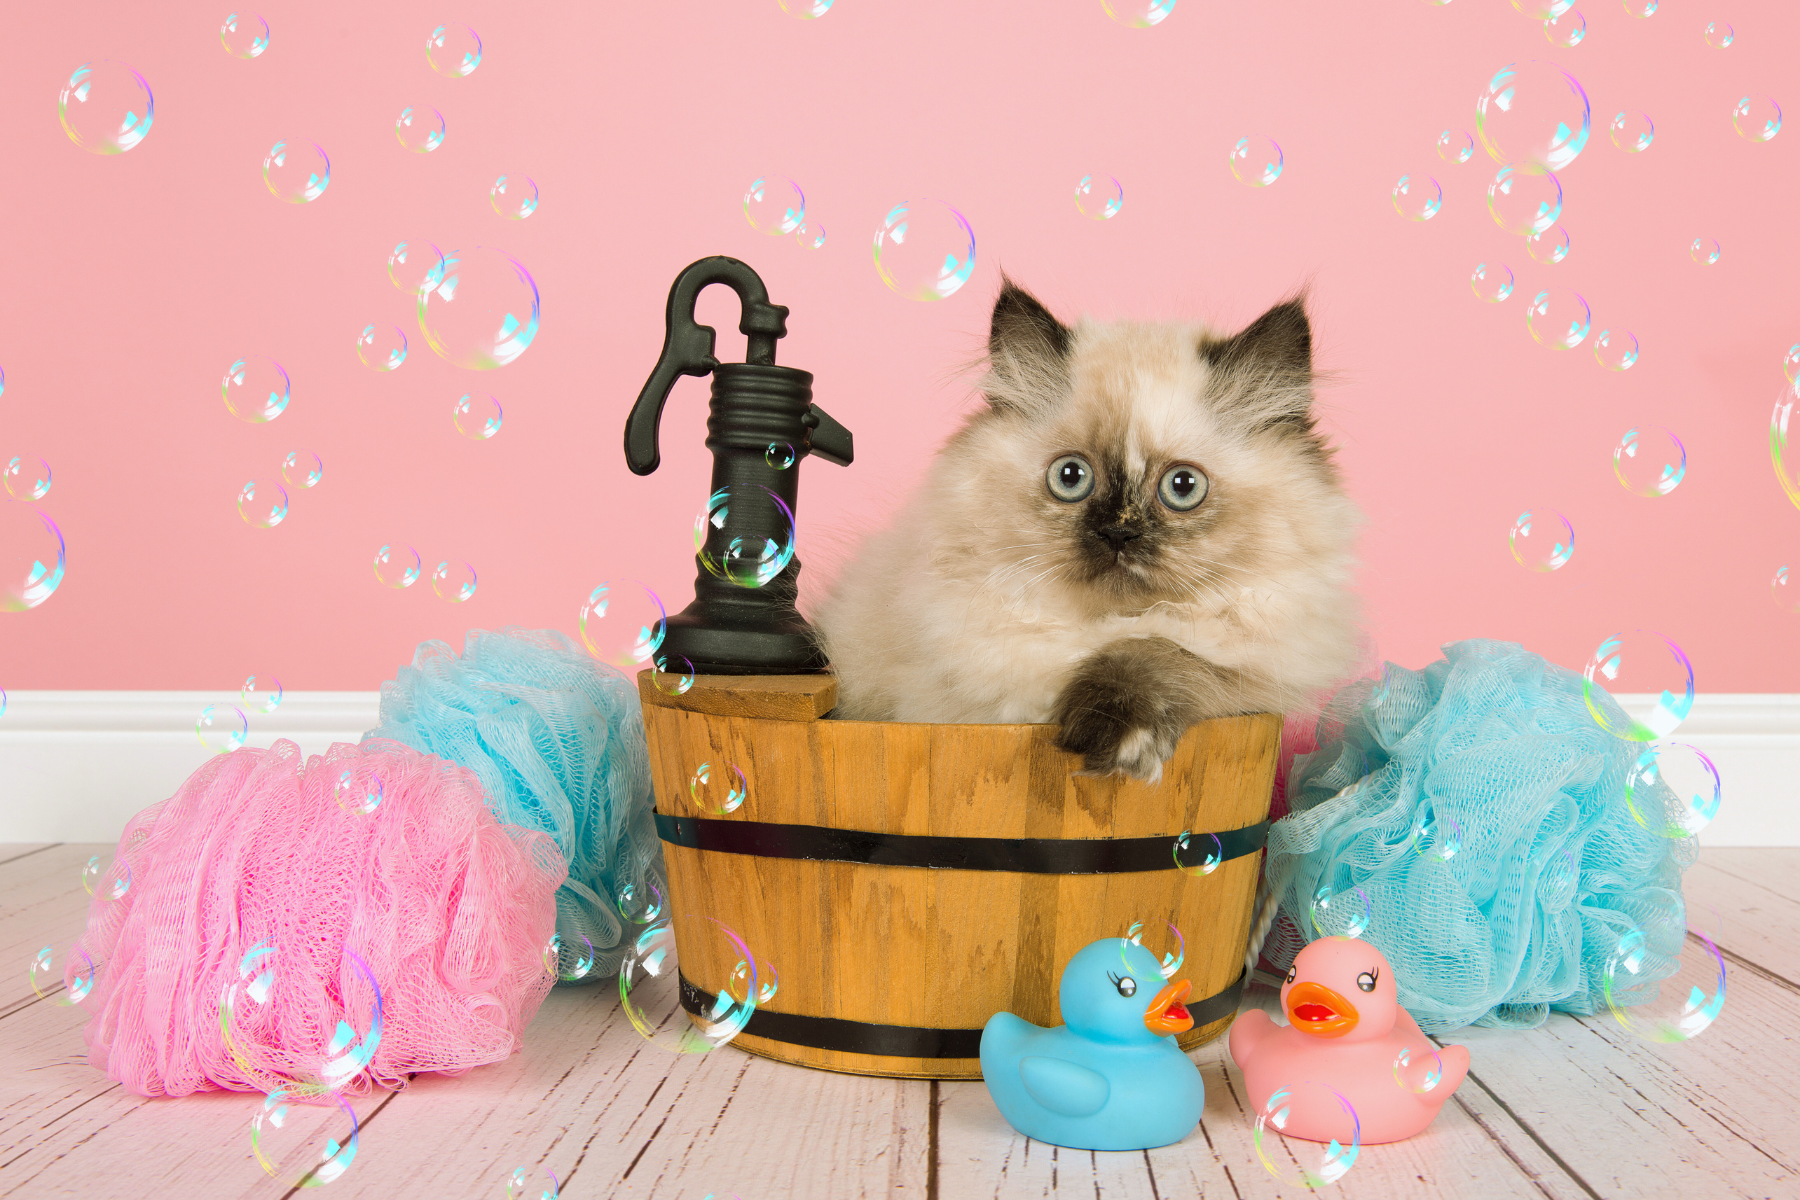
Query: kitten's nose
[{"x": 1117, "y": 536}]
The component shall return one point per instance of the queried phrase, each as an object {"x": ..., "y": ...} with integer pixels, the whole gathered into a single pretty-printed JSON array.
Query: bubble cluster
[
  {"x": 420, "y": 130},
  {"x": 1339, "y": 911},
  {"x": 623, "y": 623},
  {"x": 302, "y": 469},
  {"x": 1541, "y": 539},
  {"x": 761, "y": 546},
  {"x": 1417, "y": 197},
  {"x": 477, "y": 415},
  {"x": 106, "y": 107},
  {"x": 256, "y": 389},
  {"x": 649, "y": 988},
  {"x": 1650, "y": 461},
  {"x": 1704, "y": 251},
  {"x": 25, "y": 477},
  {"x": 1632, "y": 131},
  {"x": 1718, "y": 34},
  {"x": 265, "y": 699},
  {"x": 244, "y": 35},
  {"x": 774, "y": 205},
  {"x": 397, "y": 565},
  {"x": 1532, "y": 117},
  {"x": 1653, "y": 1001},
  {"x": 262, "y": 505},
  {"x": 411, "y": 262},
  {"x": 1549, "y": 247},
  {"x": 1673, "y": 790},
  {"x": 1256, "y": 161},
  {"x": 33, "y": 557},
  {"x": 1756, "y": 118},
  {"x": 453, "y": 580},
  {"x": 453, "y": 50},
  {"x": 1491, "y": 283},
  {"x": 1524, "y": 203},
  {"x": 514, "y": 197},
  {"x": 1567, "y": 29},
  {"x": 381, "y": 347},
  {"x": 1099, "y": 197},
  {"x": 297, "y": 172},
  {"x": 1455, "y": 146},
  {"x": 1648, "y": 677},
  {"x": 1138, "y": 14},
  {"x": 1304, "y": 1162},
  {"x": 1198, "y": 853},
  {"x": 222, "y": 728},
  {"x": 924, "y": 250},
  {"x": 718, "y": 789},
  {"x": 479, "y": 309},
  {"x": 1616, "y": 349},
  {"x": 1559, "y": 318}
]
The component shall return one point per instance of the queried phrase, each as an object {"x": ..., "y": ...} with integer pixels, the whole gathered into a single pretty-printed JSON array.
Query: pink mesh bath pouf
[{"x": 324, "y": 925}]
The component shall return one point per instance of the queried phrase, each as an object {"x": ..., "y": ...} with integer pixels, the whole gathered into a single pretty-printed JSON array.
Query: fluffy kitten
[{"x": 1140, "y": 530}]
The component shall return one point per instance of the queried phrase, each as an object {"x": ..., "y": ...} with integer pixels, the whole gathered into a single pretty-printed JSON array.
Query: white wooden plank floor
[{"x": 1578, "y": 1108}]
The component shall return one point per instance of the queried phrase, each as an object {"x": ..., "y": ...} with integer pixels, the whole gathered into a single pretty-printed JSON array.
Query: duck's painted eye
[
  {"x": 1182, "y": 487},
  {"x": 1293, "y": 973},
  {"x": 1366, "y": 981},
  {"x": 1126, "y": 984},
  {"x": 1071, "y": 478}
]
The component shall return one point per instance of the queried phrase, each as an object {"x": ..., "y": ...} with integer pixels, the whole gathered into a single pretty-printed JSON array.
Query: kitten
[{"x": 1141, "y": 529}]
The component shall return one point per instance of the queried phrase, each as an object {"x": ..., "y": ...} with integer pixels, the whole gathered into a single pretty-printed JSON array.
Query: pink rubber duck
[{"x": 1348, "y": 1032}]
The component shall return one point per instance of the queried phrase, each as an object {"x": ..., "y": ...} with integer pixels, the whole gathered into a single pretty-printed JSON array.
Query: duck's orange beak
[
  {"x": 1315, "y": 1009},
  {"x": 1167, "y": 1013}
]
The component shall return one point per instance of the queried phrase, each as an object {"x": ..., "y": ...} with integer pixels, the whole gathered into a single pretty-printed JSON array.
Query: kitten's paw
[{"x": 1113, "y": 739}]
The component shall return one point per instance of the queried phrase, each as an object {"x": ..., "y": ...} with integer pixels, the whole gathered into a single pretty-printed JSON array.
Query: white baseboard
[{"x": 74, "y": 766}]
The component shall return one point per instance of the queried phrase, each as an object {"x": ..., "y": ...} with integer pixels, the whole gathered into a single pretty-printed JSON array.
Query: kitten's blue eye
[
  {"x": 1071, "y": 478},
  {"x": 1182, "y": 487}
]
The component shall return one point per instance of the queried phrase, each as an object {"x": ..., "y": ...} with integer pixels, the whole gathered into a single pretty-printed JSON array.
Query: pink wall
[{"x": 131, "y": 281}]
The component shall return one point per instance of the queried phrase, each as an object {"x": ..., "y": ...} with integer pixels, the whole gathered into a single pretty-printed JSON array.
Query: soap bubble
[
  {"x": 1542, "y": 539},
  {"x": 1138, "y": 14},
  {"x": 244, "y": 35},
  {"x": 33, "y": 557},
  {"x": 1559, "y": 318},
  {"x": 1672, "y": 790},
  {"x": 359, "y": 793},
  {"x": 265, "y": 699},
  {"x": 112, "y": 882},
  {"x": 262, "y": 505},
  {"x": 1522, "y": 203},
  {"x": 256, "y": 389},
  {"x": 758, "y": 549},
  {"x": 1549, "y": 247},
  {"x": 1640, "y": 8},
  {"x": 76, "y": 973},
  {"x": 514, "y": 197},
  {"x": 649, "y": 987},
  {"x": 222, "y": 728},
  {"x": 26, "y": 477},
  {"x": 718, "y": 790},
  {"x": 779, "y": 455},
  {"x": 1492, "y": 284},
  {"x": 1757, "y": 118},
  {"x": 453, "y": 581},
  {"x": 297, "y": 172},
  {"x": 774, "y": 205},
  {"x": 1616, "y": 350},
  {"x": 1566, "y": 30},
  {"x": 1541, "y": 10},
  {"x": 623, "y": 623},
  {"x": 538, "y": 1183},
  {"x": 381, "y": 347},
  {"x": 1632, "y": 131},
  {"x": 1302, "y": 1162},
  {"x": 816, "y": 238},
  {"x": 479, "y": 309},
  {"x": 453, "y": 50},
  {"x": 1790, "y": 363},
  {"x": 1418, "y": 197},
  {"x": 641, "y": 903},
  {"x": 1784, "y": 450},
  {"x": 1256, "y": 161},
  {"x": 106, "y": 107},
  {"x": 410, "y": 263},
  {"x": 1650, "y": 679},
  {"x": 1418, "y": 1070},
  {"x": 1719, "y": 34},
  {"x": 1704, "y": 251},
  {"x": 806, "y": 10},
  {"x": 1659, "y": 1000},
  {"x": 568, "y": 963},
  {"x": 1099, "y": 197},
  {"x": 1436, "y": 837},
  {"x": 672, "y": 677},
  {"x": 1339, "y": 912},
  {"x": 1785, "y": 587},
  {"x": 256, "y": 1022},
  {"x": 477, "y": 415},
  {"x": 1532, "y": 116},
  {"x": 304, "y": 1144},
  {"x": 1650, "y": 461},
  {"x": 420, "y": 130},
  {"x": 924, "y": 250},
  {"x": 302, "y": 468},
  {"x": 1170, "y": 948},
  {"x": 397, "y": 565},
  {"x": 1455, "y": 146},
  {"x": 1198, "y": 853}
]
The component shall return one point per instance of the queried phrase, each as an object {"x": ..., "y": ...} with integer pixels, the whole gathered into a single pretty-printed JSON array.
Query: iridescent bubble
[
  {"x": 301, "y": 1142},
  {"x": 1138, "y": 14},
  {"x": 568, "y": 962},
  {"x": 1198, "y": 853},
  {"x": 33, "y": 557},
  {"x": 1616, "y": 349},
  {"x": 25, "y": 477},
  {"x": 1523, "y": 203},
  {"x": 1492, "y": 283},
  {"x": 1672, "y": 790},
  {"x": 806, "y": 10},
  {"x": 623, "y": 623},
  {"x": 815, "y": 238},
  {"x": 1632, "y": 131},
  {"x": 112, "y": 882},
  {"x": 1455, "y": 146},
  {"x": 1532, "y": 117},
  {"x": 453, "y": 50},
  {"x": 265, "y": 699},
  {"x": 310, "y": 1063},
  {"x": 1785, "y": 588},
  {"x": 106, "y": 107},
  {"x": 1418, "y": 197},
  {"x": 1099, "y": 197},
  {"x": 1541, "y": 10},
  {"x": 649, "y": 988},
  {"x": 1436, "y": 837},
  {"x": 1304, "y": 1162},
  {"x": 1757, "y": 118},
  {"x": 2, "y": 701},
  {"x": 90, "y": 873},
  {"x": 262, "y": 505},
  {"x": 760, "y": 546},
  {"x": 359, "y": 794},
  {"x": 1704, "y": 251},
  {"x": 1650, "y": 679},
  {"x": 1650, "y": 461},
  {"x": 1784, "y": 445},
  {"x": 297, "y": 172},
  {"x": 924, "y": 250},
  {"x": 1549, "y": 247},
  {"x": 397, "y": 565},
  {"x": 779, "y": 455},
  {"x": 718, "y": 789},
  {"x": 411, "y": 263},
  {"x": 1541, "y": 539},
  {"x": 256, "y": 389},
  {"x": 1665, "y": 981},
  {"x": 1719, "y": 35},
  {"x": 672, "y": 677},
  {"x": 540, "y": 1182},
  {"x": 479, "y": 309},
  {"x": 477, "y": 415},
  {"x": 381, "y": 347},
  {"x": 514, "y": 197},
  {"x": 1418, "y": 1070},
  {"x": 1339, "y": 912},
  {"x": 1559, "y": 318},
  {"x": 244, "y": 35},
  {"x": 1166, "y": 944},
  {"x": 1566, "y": 30},
  {"x": 1640, "y": 8},
  {"x": 774, "y": 205},
  {"x": 641, "y": 903},
  {"x": 1256, "y": 161},
  {"x": 222, "y": 728},
  {"x": 75, "y": 973},
  {"x": 420, "y": 130},
  {"x": 453, "y": 581},
  {"x": 302, "y": 468},
  {"x": 1790, "y": 363}
]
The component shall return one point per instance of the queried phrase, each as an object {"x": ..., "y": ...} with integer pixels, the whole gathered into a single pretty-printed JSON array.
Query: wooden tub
[{"x": 909, "y": 881}]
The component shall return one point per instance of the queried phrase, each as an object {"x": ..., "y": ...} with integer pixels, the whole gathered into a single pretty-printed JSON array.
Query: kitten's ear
[
  {"x": 1266, "y": 372},
  {"x": 1028, "y": 350}
]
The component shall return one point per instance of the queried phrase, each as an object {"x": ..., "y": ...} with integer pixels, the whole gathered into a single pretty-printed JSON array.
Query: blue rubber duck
[{"x": 1112, "y": 1078}]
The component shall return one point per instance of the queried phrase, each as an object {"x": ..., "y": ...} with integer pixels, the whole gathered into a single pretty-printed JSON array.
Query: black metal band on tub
[
  {"x": 902, "y": 1041},
  {"x": 1030, "y": 856}
]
